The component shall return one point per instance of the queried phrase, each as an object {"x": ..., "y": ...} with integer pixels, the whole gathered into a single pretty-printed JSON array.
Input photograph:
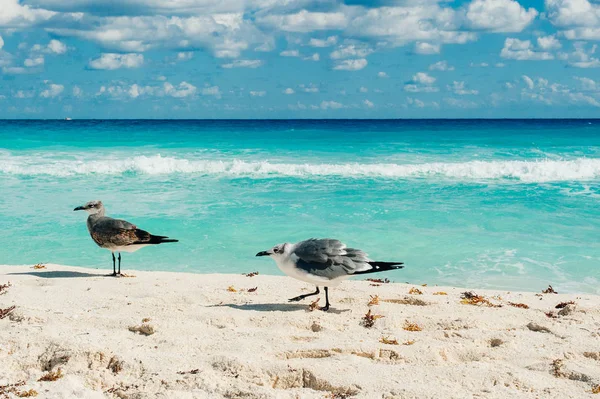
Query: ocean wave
[{"x": 545, "y": 170}]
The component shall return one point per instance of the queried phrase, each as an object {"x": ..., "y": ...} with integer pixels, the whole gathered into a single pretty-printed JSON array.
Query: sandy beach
[{"x": 75, "y": 333}]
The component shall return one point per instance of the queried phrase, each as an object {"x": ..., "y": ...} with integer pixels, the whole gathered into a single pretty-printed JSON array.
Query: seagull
[
  {"x": 116, "y": 235},
  {"x": 324, "y": 262}
]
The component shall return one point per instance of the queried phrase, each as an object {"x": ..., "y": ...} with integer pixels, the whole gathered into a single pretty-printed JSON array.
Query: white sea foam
[{"x": 545, "y": 170}]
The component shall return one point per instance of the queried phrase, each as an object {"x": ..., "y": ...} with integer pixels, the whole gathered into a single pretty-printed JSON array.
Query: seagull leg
[
  {"x": 114, "y": 268},
  {"x": 119, "y": 263},
  {"x": 301, "y": 297},
  {"x": 326, "y": 307}
]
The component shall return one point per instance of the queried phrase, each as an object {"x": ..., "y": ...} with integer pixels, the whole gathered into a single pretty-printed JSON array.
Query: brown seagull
[{"x": 117, "y": 235}]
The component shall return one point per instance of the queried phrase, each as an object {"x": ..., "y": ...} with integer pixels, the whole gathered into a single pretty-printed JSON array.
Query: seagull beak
[
  {"x": 79, "y": 208},
  {"x": 263, "y": 253}
]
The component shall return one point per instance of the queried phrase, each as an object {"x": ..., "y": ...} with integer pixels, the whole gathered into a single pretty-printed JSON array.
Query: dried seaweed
[
  {"x": 52, "y": 375},
  {"x": 440, "y": 293},
  {"x": 415, "y": 291},
  {"x": 126, "y": 275},
  {"x": 4, "y": 287},
  {"x": 471, "y": 298},
  {"x": 564, "y": 304},
  {"x": 407, "y": 301},
  {"x": 7, "y": 389},
  {"x": 251, "y": 274},
  {"x": 409, "y": 342},
  {"x": 549, "y": 290},
  {"x": 39, "y": 266},
  {"x": 378, "y": 280},
  {"x": 557, "y": 365},
  {"x": 374, "y": 300},
  {"x": 369, "y": 319},
  {"x": 144, "y": 329},
  {"x": 596, "y": 389},
  {"x": 252, "y": 289},
  {"x": 145, "y": 320},
  {"x": 408, "y": 326},
  {"x": 6, "y": 312},
  {"x": 194, "y": 371},
  {"x": 314, "y": 305},
  {"x": 27, "y": 394},
  {"x": 388, "y": 341},
  {"x": 231, "y": 289},
  {"x": 495, "y": 342},
  {"x": 551, "y": 315},
  {"x": 519, "y": 305}
]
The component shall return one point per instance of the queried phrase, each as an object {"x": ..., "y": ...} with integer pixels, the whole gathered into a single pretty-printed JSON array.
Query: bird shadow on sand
[
  {"x": 58, "y": 274},
  {"x": 274, "y": 307}
]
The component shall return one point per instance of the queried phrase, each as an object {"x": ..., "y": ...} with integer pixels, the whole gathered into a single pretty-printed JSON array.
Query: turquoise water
[{"x": 498, "y": 204}]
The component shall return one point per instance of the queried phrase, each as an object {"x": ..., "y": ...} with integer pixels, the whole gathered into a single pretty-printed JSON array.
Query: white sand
[{"x": 256, "y": 345}]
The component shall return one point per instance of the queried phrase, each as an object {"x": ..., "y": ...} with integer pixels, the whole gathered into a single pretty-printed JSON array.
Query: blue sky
[{"x": 299, "y": 59}]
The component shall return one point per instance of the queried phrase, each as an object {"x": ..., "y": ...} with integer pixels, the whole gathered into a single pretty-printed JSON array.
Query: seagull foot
[
  {"x": 113, "y": 275},
  {"x": 324, "y": 308}
]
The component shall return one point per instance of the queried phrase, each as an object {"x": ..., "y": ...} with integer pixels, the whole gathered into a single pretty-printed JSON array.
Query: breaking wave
[{"x": 545, "y": 170}]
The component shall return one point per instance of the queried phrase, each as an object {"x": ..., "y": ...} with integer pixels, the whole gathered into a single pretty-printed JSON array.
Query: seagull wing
[
  {"x": 329, "y": 258},
  {"x": 117, "y": 232}
]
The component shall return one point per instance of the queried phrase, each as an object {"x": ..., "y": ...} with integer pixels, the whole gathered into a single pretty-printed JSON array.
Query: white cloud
[
  {"x": 588, "y": 84},
  {"x": 57, "y": 47},
  {"x": 399, "y": 25},
  {"x": 111, "y": 61},
  {"x": 415, "y": 102},
  {"x": 363, "y": 89},
  {"x": 459, "y": 88},
  {"x": 310, "y": 88},
  {"x": 211, "y": 91},
  {"x": 382, "y": 75},
  {"x": 581, "y": 57},
  {"x": 421, "y": 82},
  {"x": 8, "y": 70},
  {"x": 331, "y": 105},
  {"x": 499, "y": 15},
  {"x": 528, "y": 81},
  {"x": 1, "y": 43},
  {"x": 33, "y": 62},
  {"x": 413, "y": 88},
  {"x": 548, "y": 43},
  {"x": 290, "y": 53},
  {"x": 351, "y": 51},
  {"x": 368, "y": 104},
  {"x": 351, "y": 65},
  {"x": 479, "y": 65},
  {"x": 305, "y": 21},
  {"x": 314, "y": 57},
  {"x": 427, "y": 48},
  {"x": 185, "y": 55},
  {"x": 330, "y": 41},
  {"x": 15, "y": 15},
  {"x": 184, "y": 89},
  {"x": 24, "y": 94},
  {"x": 243, "y": 64},
  {"x": 52, "y": 91},
  {"x": 582, "y": 98},
  {"x": 580, "y": 19},
  {"x": 77, "y": 92},
  {"x": 423, "y": 78},
  {"x": 261, "y": 93},
  {"x": 289, "y": 90},
  {"x": 523, "y": 50},
  {"x": 460, "y": 103},
  {"x": 441, "y": 66}
]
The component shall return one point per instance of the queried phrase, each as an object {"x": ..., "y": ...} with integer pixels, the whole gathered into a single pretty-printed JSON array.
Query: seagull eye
[{"x": 276, "y": 250}]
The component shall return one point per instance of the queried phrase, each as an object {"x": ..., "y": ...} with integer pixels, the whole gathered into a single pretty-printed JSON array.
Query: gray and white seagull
[
  {"x": 117, "y": 235},
  {"x": 324, "y": 262}
]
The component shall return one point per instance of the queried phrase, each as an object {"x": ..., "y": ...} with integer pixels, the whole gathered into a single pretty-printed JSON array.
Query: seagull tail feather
[
  {"x": 381, "y": 267},
  {"x": 160, "y": 240}
]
